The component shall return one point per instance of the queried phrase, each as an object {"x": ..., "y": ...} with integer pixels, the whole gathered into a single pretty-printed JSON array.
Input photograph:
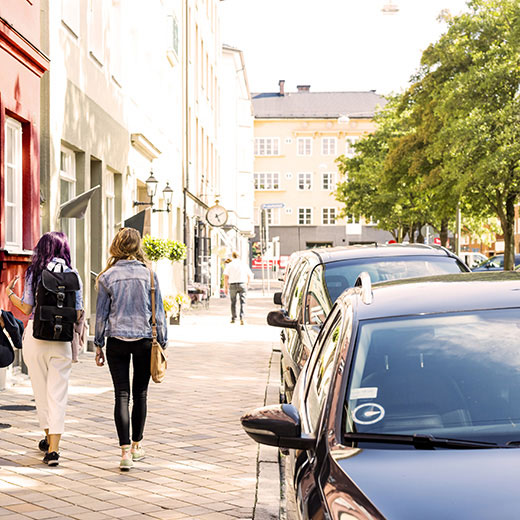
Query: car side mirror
[
  {"x": 277, "y": 298},
  {"x": 277, "y": 425},
  {"x": 280, "y": 319}
]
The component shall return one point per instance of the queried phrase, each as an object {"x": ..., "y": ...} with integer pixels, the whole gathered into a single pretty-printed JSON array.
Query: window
[
  {"x": 328, "y": 216},
  {"x": 110, "y": 196},
  {"x": 70, "y": 15},
  {"x": 328, "y": 146},
  {"x": 174, "y": 33},
  {"x": 350, "y": 151},
  {"x": 273, "y": 216},
  {"x": 304, "y": 180},
  {"x": 323, "y": 371},
  {"x": 318, "y": 303},
  {"x": 328, "y": 181},
  {"x": 304, "y": 216},
  {"x": 96, "y": 30},
  {"x": 68, "y": 192},
  {"x": 13, "y": 183},
  {"x": 304, "y": 146},
  {"x": 296, "y": 291},
  {"x": 267, "y": 181},
  {"x": 267, "y": 146}
]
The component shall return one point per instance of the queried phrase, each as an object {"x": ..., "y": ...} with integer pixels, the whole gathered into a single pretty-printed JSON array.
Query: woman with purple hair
[{"x": 49, "y": 362}]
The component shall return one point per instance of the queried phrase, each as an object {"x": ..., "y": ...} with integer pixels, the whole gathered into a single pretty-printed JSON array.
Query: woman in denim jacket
[{"x": 123, "y": 316}]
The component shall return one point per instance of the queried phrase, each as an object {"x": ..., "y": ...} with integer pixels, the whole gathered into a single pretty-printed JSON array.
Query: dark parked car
[
  {"x": 495, "y": 263},
  {"x": 319, "y": 276},
  {"x": 409, "y": 407}
]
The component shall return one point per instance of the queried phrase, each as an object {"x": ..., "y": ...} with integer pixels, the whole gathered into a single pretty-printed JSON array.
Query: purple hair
[{"x": 53, "y": 244}]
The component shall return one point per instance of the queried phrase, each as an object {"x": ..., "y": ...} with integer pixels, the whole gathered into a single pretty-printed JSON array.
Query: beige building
[
  {"x": 111, "y": 114},
  {"x": 298, "y": 136}
]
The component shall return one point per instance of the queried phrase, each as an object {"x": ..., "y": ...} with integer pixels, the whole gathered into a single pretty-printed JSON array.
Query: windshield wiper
[{"x": 419, "y": 441}]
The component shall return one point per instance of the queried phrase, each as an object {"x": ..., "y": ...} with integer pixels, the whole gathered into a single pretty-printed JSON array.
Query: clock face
[{"x": 216, "y": 216}]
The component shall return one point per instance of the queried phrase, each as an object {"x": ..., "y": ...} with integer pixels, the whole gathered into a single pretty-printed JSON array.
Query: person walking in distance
[
  {"x": 123, "y": 316},
  {"x": 49, "y": 360},
  {"x": 237, "y": 277}
]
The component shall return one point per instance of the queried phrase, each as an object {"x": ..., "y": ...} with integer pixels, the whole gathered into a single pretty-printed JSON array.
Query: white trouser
[{"x": 49, "y": 364}]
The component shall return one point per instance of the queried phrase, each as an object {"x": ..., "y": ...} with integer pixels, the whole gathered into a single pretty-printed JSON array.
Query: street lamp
[
  {"x": 151, "y": 185},
  {"x": 167, "y": 196},
  {"x": 151, "y": 190}
]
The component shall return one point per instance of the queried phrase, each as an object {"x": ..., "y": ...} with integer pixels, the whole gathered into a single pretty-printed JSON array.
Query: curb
[{"x": 268, "y": 491}]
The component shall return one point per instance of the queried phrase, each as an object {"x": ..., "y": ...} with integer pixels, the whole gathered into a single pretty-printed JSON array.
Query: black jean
[{"x": 119, "y": 353}]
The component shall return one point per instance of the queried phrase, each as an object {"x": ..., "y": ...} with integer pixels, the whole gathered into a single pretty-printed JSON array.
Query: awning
[
  {"x": 77, "y": 207},
  {"x": 140, "y": 221}
]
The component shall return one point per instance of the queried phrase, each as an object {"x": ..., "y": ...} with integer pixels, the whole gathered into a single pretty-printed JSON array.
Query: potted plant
[
  {"x": 174, "y": 305},
  {"x": 176, "y": 251},
  {"x": 155, "y": 248}
]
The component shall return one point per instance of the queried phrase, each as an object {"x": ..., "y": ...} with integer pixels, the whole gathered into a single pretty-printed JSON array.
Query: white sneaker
[
  {"x": 138, "y": 454},
  {"x": 126, "y": 460}
]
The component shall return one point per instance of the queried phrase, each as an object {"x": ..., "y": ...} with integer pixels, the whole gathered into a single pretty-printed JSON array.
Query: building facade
[
  {"x": 298, "y": 136},
  {"x": 236, "y": 191},
  {"x": 202, "y": 152},
  {"x": 111, "y": 114},
  {"x": 23, "y": 64}
]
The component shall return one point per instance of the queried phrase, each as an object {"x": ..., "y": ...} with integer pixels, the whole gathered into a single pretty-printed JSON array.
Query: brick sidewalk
[{"x": 199, "y": 464}]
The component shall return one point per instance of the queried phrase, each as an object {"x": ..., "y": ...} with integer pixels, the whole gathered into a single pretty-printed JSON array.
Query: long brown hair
[{"x": 126, "y": 245}]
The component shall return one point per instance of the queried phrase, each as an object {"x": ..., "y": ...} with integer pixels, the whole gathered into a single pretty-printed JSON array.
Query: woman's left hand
[{"x": 100, "y": 357}]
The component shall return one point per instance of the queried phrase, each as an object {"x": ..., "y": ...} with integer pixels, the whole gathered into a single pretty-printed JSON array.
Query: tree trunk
[
  {"x": 444, "y": 233},
  {"x": 420, "y": 236},
  {"x": 411, "y": 234},
  {"x": 508, "y": 227}
]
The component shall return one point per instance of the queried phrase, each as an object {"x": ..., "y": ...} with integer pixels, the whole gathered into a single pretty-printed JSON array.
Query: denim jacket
[{"x": 124, "y": 304}]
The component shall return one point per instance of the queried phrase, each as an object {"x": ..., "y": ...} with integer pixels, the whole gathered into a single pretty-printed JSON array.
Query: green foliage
[
  {"x": 453, "y": 138},
  {"x": 176, "y": 251},
  {"x": 157, "y": 248},
  {"x": 154, "y": 248}
]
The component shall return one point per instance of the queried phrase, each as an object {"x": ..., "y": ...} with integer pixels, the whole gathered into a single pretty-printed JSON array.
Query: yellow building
[{"x": 298, "y": 136}]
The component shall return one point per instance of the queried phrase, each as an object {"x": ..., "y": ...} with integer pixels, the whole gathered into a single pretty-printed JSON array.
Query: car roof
[
  {"x": 440, "y": 294},
  {"x": 333, "y": 254}
]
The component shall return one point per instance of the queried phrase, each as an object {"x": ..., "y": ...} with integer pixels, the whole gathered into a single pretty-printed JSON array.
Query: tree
[{"x": 472, "y": 79}]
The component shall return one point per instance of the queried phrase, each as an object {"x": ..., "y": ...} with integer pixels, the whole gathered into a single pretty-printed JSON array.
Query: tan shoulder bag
[{"x": 158, "y": 362}]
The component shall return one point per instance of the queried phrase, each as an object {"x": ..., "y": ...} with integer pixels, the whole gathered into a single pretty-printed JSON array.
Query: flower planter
[{"x": 175, "y": 320}]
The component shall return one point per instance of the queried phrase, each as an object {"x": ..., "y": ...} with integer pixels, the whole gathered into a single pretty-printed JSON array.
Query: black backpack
[{"x": 55, "y": 312}]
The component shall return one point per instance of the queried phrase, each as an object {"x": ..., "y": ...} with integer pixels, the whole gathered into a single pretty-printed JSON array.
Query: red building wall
[{"x": 22, "y": 65}]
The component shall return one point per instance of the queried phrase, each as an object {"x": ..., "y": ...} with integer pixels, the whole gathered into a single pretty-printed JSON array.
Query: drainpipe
[{"x": 185, "y": 162}]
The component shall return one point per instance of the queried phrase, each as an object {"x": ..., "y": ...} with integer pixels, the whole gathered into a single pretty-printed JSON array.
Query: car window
[
  {"x": 342, "y": 274},
  {"x": 289, "y": 281},
  {"x": 294, "y": 302},
  {"x": 318, "y": 304},
  {"x": 323, "y": 365},
  {"x": 455, "y": 375}
]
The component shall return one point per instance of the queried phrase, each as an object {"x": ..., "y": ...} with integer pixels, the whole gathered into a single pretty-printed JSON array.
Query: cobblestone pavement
[{"x": 199, "y": 463}]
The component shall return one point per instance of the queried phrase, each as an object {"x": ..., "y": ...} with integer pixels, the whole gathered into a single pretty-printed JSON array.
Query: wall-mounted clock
[{"x": 217, "y": 215}]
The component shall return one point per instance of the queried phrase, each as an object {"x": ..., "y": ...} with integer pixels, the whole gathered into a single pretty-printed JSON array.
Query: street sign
[{"x": 273, "y": 205}]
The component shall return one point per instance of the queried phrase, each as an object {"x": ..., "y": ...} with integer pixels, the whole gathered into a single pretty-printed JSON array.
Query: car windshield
[
  {"x": 495, "y": 261},
  {"x": 455, "y": 375},
  {"x": 343, "y": 274}
]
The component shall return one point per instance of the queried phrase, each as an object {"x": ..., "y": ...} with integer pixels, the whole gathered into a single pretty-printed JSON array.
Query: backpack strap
[
  {"x": 154, "y": 324},
  {"x": 52, "y": 266}
]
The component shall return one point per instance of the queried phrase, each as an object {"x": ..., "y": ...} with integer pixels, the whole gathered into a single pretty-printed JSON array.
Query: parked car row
[
  {"x": 317, "y": 277},
  {"x": 401, "y": 386},
  {"x": 409, "y": 405}
]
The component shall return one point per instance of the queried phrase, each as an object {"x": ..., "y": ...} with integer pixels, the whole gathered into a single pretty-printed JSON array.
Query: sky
[{"x": 333, "y": 45}]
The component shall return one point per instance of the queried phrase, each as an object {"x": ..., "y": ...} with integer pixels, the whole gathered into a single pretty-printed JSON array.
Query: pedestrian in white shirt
[{"x": 237, "y": 277}]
